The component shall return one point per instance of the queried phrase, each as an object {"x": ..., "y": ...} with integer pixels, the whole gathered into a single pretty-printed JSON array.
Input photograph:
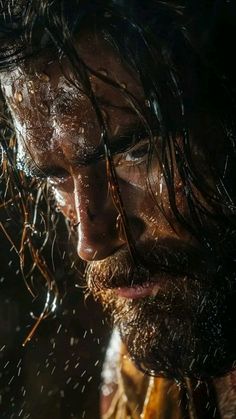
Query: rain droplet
[
  {"x": 81, "y": 130},
  {"x": 18, "y": 97},
  {"x": 43, "y": 77},
  {"x": 103, "y": 71}
]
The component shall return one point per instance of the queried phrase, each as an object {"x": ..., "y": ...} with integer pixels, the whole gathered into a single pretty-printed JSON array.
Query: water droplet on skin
[
  {"x": 103, "y": 71},
  {"x": 43, "y": 77},
  {"x": 81, "y": 130},
  {"x": 18, "y": 97}
]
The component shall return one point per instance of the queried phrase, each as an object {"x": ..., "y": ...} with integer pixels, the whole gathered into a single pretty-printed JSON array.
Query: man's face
[{"x": 171, "y": 307}]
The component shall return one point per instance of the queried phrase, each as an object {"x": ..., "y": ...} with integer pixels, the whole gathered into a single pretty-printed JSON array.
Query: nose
[{"x": 98, "y": 236}]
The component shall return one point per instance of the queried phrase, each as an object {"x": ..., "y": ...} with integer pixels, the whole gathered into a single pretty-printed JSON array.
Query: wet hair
[{"x": 178, "y": 51}]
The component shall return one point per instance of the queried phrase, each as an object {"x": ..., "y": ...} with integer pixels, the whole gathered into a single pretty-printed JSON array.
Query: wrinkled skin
[{"x": 182, "y": 328}]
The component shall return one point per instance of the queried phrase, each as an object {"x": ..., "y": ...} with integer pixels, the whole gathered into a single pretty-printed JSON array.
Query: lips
[
  {"x": 165, "y": 263},
  {"x": 158, "y": 283},
  {"x": 148, "y": 289}
]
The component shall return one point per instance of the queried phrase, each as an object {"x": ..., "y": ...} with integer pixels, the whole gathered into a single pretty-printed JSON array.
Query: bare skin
[{"x": 59, "y": 139}]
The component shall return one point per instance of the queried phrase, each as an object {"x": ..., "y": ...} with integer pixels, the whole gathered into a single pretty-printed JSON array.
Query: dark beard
[{"x": 187, "y": 329}]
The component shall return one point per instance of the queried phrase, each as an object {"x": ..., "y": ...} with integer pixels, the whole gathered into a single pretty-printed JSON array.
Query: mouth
[
  {"x": 149, "y": 289},
  {"x": 157, "y": 283},
  {"x": 153, "y": 275}
]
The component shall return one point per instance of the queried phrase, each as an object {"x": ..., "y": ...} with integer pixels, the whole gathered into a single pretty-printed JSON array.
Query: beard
[{"x": 188, "y": 328}]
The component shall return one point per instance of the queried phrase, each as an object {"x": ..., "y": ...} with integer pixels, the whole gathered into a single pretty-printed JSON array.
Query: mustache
[{"x": 167, "y": 256}]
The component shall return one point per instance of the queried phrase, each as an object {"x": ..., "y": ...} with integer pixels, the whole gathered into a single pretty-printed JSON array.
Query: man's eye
[
  {"x": 135, "y": 155},
  {"x": 138, "y": 151}
]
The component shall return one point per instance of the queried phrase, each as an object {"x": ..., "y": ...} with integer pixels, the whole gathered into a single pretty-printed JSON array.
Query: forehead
[
  {"x": 46, "y": 102},
  {"x": 95, "y": 51}
]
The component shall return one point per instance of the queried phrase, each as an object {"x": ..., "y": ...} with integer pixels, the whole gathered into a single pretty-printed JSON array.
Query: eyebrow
[{"x": 117, "y": 144}]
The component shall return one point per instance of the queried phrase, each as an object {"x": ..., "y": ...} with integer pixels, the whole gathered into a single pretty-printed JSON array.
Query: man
[{"x": 127, "y": 110}]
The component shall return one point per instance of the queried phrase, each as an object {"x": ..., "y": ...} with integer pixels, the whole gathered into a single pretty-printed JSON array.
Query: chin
[
  {"x": 189, "y": 331},
  {"x": 177, "y": 351}
]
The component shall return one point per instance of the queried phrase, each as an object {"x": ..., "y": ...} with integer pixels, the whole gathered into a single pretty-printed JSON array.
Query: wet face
[{"x": 172, "y": 308}]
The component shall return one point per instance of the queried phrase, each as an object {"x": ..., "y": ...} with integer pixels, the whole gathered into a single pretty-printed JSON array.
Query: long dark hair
[{"x": 178, "y": 51}]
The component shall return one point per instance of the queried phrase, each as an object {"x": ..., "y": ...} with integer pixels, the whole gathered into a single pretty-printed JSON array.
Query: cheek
[
  {"x": 145, "y": 194},
  {"x": 135, "y": 175},
  {"x": 141, "y": 175},
  {"x": 64, "y": 198},
  {"x": 148, "y": 181}
]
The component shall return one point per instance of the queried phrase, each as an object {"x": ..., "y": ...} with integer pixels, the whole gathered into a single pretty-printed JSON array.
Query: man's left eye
[
  {"x": 139, "y": 151},
  {"x": 134, "y": 155}
]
